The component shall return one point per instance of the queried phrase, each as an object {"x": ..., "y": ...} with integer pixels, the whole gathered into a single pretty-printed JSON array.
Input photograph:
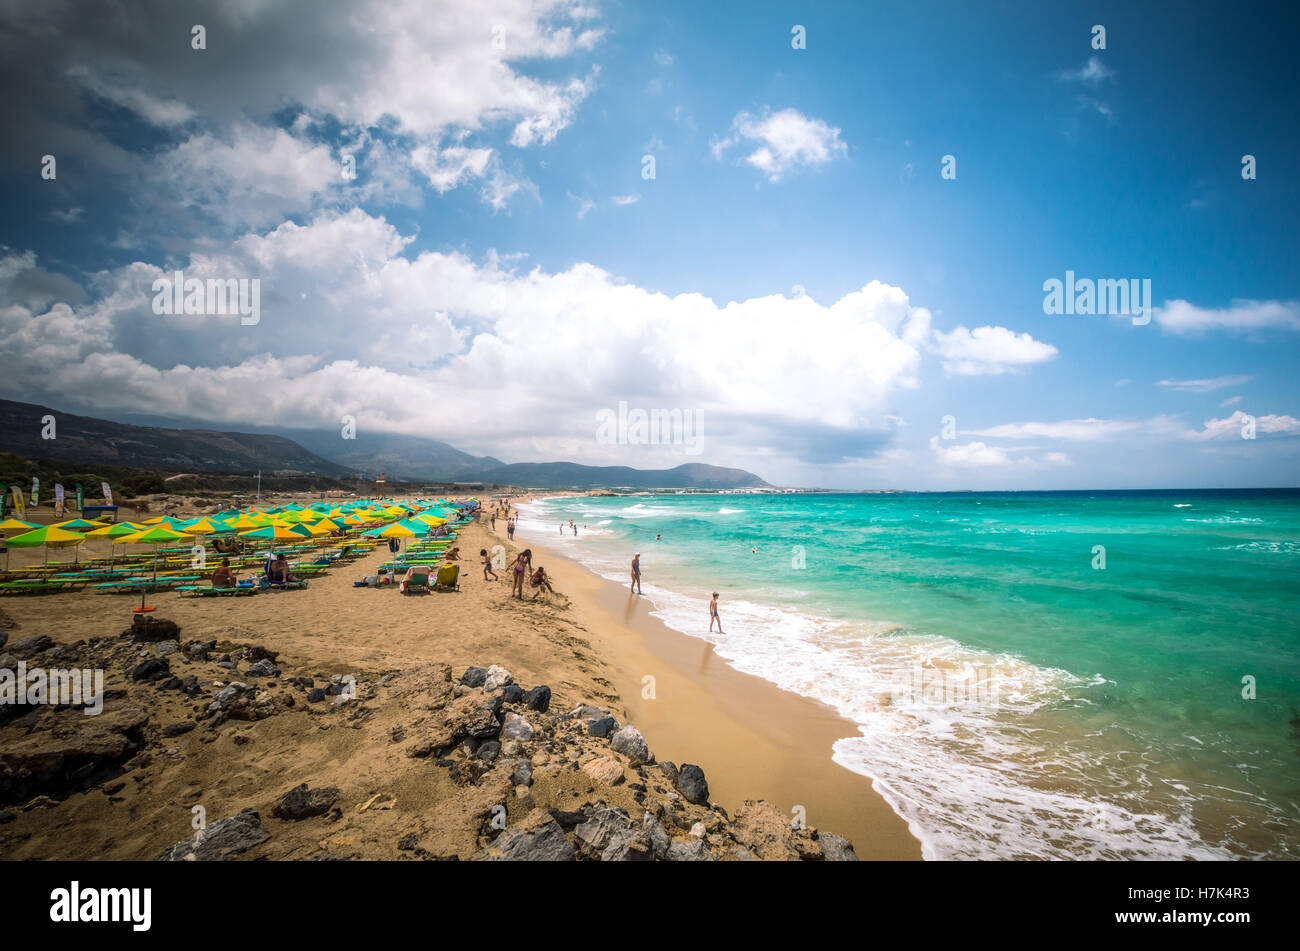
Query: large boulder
[
  {"x": 303, "y": 803},
  {"x": 535, "y": 838},
  {"x": 691, "y": 784},
  {"x": 631, "y": 744},
  {"x": 229, "y": 836}
]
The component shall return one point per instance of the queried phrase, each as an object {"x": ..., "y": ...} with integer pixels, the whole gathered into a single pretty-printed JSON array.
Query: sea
[{"x": 1053, "y": 675}]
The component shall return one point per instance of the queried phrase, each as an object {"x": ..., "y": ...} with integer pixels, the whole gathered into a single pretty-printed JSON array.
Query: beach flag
[
  {"x": 4, "y": 505},
  {"x": 108, "y": 493},
  {"x": 81, "y": 497},
  {"x": 58, "y": 500},
  {"x": 20, "y": 507},
  {"x": 36, "y": 492}
]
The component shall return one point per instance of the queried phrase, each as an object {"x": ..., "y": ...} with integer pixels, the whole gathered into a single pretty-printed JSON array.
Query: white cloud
[
  {"x": 1207, "y": 385},
  {"x": 625, "y": 199},
  {"x": 1231, "y": 427},
  {"x": 128, "y": 95},
  {"x": 1244, "y": 316},
  {"x": 252, "y": 176},
  {"x": 1091, "y": 73},
  {"x": 1078, "y": 430},
  {"x": 787, "y": 140},
  {"x": 989, "y": 350},
  {"x": 384, "y": 337},
  {"x": 1230, "y": 401},
  {"x": 663, "y": 57},
  {"x": 969, "y": 455},
  {"x": 585, "y": 204}
]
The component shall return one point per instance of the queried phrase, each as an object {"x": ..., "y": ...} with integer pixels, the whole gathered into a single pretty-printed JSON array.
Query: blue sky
[{"x": 500, "y": 254}]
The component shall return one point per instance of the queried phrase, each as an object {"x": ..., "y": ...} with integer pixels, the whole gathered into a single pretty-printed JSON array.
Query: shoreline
[{"x": 761, "y": 741}]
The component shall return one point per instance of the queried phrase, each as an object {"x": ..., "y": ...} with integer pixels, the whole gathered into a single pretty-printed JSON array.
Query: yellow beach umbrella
[
  {"x": 16, "y": 526},
  {"x": 157, "y": 535},
  {"x": 397, "y": 530},
  {"x": 50, "y": 537},
  {"x": 113, "y": 533}
]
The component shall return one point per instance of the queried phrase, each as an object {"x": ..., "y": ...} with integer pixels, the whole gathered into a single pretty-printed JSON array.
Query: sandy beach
[{"x": 589, "y": 643}]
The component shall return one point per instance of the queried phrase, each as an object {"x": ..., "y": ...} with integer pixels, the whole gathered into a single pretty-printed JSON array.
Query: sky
[{"x": 824, "y": 234}]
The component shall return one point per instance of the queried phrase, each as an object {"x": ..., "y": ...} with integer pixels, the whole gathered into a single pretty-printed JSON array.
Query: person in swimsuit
[
  {"x": 223, "y": 577},
  {"x": 487, "y": 565},
  {"x": 523, "y": 562},
  {"x": 636, "y": 573},
  {"x": 713, "y": 613}
]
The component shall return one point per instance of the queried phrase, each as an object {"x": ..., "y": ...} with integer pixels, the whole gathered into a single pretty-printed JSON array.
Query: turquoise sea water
[{"x": 1013, "y": 697}]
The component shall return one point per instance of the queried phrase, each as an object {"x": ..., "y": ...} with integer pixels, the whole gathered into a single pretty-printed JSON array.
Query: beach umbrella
[
  {"x": 277, "y": 533},
  {"x": 78, "y": 525},
  {"x": 243, "y": 522},
  {"x": 16, "y": 526},
  {"x": 51, "y": 537},
  {"x": 155, "y": 535},
  {"x": 206, "y": 526},
  {"x": 113, "y": 533},
  {"x": 398, "y": 530}
]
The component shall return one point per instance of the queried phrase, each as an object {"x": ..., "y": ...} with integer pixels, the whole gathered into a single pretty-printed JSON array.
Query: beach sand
[
  {"x": 753, "y": 739},
  {"x": 589, "y": 644}
]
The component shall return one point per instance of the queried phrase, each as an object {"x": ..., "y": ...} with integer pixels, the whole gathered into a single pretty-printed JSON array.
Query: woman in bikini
[{"x": 523, "y": 562}]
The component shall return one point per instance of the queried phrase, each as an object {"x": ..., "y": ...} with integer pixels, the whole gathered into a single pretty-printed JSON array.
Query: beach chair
[
  {"x": 448, "y": 578},
  {"x": 415, "y": 582}
]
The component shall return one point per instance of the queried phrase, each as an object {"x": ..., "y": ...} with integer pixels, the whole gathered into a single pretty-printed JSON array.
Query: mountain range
[{"x": 26, "y": 430}]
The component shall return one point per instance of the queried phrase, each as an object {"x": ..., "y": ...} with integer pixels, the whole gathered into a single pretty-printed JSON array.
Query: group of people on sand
[{"x": 277, "y": 571}]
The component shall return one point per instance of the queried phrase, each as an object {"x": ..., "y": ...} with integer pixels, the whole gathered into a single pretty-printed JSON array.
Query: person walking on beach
[
  {"x": 510, "y": 529},
  {"x": 487, "y": 565},
  {"x": 636, "y": 573},
  {"x": 713, "y": 614},
  {"x": 494, "y": 521}
]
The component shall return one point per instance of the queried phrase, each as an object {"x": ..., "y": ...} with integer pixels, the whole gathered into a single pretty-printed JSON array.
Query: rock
[
  {"x": 516, "y": 728},
  {"x": 766, "y": 832},
  {"x": 151, "y": 628},
  {"x": 631, "y": 744},
  {"x": 535, "y": 838},
  {"x": 315, "y": 695},
  {"x": 836, "y": 848},
  {"x": 473, "y": 716},
  {"x": 539, "y": 699},
  {"x": 488, "y": 751},
  {"x": 155, "y": 668},
  {"x": 474, "y": 677},
  {"x": 692, "y": 850},
  {"x": 496, "y": 677},
  {"x": 263, "y": 668},
  {"x": 199, "y": 650},
  {"x": 602, "y": 727},
  {"x": 513, "y": 693},
  {"x": 32, "y": 645},
  {"x": 691, "y": 783},
  {"x": 163, "y": 648},
  {"x": 229, "y": 836},
  {"x": 176, "y": 729},
  {"x": 698, "y": 830},
  {"x": 604, "y": 769},
  {"x": 596, "y": 832},
  {"x": 303, "y": 803},
  {"x": 8, "y": 661},
  {"x": 523, "y": 773},
  {"x": 659, "y": 839}
]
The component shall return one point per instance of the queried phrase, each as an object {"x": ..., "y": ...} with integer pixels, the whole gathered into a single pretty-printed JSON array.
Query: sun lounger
[
  {"x": 448, "y": 577},
  {"x": 415, "y": 582}
]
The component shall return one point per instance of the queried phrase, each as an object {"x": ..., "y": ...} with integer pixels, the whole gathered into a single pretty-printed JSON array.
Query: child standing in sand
[
  {"x": 487, "y": 565},
  {"x": 713, "y": 614}
]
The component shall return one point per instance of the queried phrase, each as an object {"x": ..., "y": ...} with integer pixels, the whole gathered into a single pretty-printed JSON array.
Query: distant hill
[
  {"x": 85, "y": 439},
  {"x": 693, "y": 475},
  {"x": 411, "y": 458}
]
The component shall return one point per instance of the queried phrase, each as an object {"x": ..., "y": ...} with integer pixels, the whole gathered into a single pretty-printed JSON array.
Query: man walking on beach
[
  {"x": 713, "y": 614},
  {"x": 636, "y": 573}
]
